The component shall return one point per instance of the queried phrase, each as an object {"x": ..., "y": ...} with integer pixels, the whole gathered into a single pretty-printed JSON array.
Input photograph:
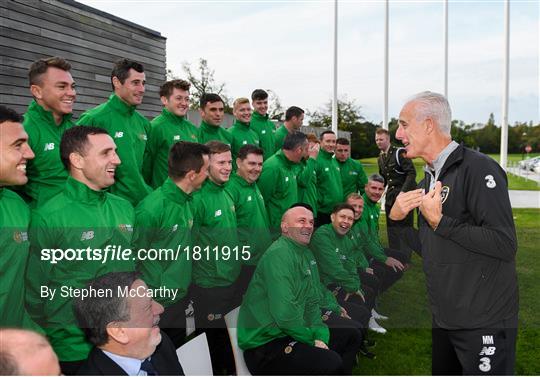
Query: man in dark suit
[{"x": 120, "y": 319}]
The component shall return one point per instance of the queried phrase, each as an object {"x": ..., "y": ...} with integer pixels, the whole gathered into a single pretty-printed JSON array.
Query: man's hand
[
  {"x": 431, "y": 206},
  {"x": 369, "y": 270},
  {"x": 320, "y": 344},
  {"x": 360, "y": 294},
  {"x": 405, "y": 203},
  {"x": 313, "y": 150},
  {"x": 343, "y": 313},
  {"x": 394, "y": 263}
]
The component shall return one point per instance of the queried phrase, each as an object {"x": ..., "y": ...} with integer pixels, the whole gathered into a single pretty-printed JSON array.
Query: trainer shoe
[
  {"x": 366, "y": 353},
  {"x": 374, "y": 326},
  {"x": 378, "y": 316},
  {"x": 370, "y": 343}
]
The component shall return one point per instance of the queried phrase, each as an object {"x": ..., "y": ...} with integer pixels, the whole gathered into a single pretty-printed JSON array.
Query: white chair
[
  {"x": 194, "y": 356},
  {"x": 231, "y": 320}
]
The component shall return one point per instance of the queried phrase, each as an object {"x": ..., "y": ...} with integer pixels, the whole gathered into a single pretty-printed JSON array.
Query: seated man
[
  {"x": 122, "y": 324},
  {"x": 26, "y": 353},
  {"x": 279, "y": 325}
]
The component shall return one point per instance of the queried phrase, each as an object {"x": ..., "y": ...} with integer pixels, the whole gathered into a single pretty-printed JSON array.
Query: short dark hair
[
  {"x": 93, "y": 314},
  {"x": 259, "y": 95},
  {"x": 376, "y": 177},
  {"x": 217, "y": 147},
  {"x": 40, "y": 66},
  {"x": 249, "y": 149},
  {"x": 185, "y": 156},
  {"x": 167, "y": 89},
  {"x": 321, "y": 136},
  {"x": 75, "y": 139},
  {"x": 338, "y": 207},
  {"x": 9, "y": 115},
  {"x": 293, "y": 140},
  {"x": 293, "y": 111},
  {"x": 209, "y": 98},
  {"x": 382, "y": 131},
  {"x": 121, "y": 69},
  {"x": 343, "y": 141}
]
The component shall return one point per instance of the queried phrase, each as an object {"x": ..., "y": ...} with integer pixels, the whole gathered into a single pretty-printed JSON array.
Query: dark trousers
[
  {"x": 173, "y": 321},
  {"x": 396, "y": 231},
  {"x": 370, "y": 280},
  {"x": 345, "y": 338},
  {"x": 483, "y": 351},
  {"x": 369, "y": 296},
  {"x": 243, "y": 280},
  {"x": 210, "y": 306},
  {"x": 387, "y": 276},
  {"x": 285, "y": 356}
]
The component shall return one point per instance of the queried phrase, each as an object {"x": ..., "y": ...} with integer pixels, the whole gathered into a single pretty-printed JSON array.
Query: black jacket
[
  {"x": 164, "y": 360},
  {"x": 398, "y": 172},
  {"x": 469, "y": 260}
]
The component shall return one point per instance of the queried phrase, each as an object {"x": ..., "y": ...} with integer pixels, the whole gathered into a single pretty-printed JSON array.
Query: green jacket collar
[
  {"x": 243, "y": 126},
  {"x": 368, "y": 202},
  {"x": 258, "y": 116},
  {"x": 241, "y": 181},
  {"x": 117, "y": 104},
  {"x": 325, "y": 155},
  {"x": 175, "y": 193},
  {"x": 172, "y": 117},
  {"x": 45, "y": 115},
  {"x": 279, "y": 154},
  {"x": 82, "y": 193},
  {"x": 294, "y": 245},
  {"x": 210, "y": 185},
  {"x": 208, "y": 128}
]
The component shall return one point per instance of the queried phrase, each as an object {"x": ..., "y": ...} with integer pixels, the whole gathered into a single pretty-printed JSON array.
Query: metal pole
[
  {"x": 446, "y": 48},
  {"x": 504, "y": 121},
  {"x": 386, "y": 37},
  {"x": 335, "y": 94}
]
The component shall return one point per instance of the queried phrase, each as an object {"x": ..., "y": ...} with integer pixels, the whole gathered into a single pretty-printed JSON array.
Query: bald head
[
  {"x": 297, "y": 224},
  {"x": 26, "y": 353}
]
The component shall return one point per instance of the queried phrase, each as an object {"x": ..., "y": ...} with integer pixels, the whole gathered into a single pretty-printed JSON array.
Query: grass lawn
[
  {"x": 514, "y": 182},
  {"x": 406, "y": 348}
]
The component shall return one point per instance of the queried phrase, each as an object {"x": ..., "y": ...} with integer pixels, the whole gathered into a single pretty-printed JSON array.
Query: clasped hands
[{"x": 430, "y": 205}]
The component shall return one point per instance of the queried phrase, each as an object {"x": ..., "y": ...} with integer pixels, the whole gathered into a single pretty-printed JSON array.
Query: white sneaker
[
  {"x": 376, "y": 315},
  {"x": 374, "y": 326}
]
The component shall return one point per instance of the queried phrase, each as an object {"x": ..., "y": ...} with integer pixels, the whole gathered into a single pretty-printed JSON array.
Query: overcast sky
[{"x": 286, "y": 46}]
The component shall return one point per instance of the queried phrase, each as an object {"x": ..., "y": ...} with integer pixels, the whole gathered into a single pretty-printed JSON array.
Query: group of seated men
[{"x": 181, "y": 214}]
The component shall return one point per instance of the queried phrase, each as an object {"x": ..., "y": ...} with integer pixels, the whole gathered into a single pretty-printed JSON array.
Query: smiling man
[
  {"x": 241, "y": 132},
  {"x": 15, "y": 218},
  {"x": 47, "y": 118},
  {"x": 124, "y": 330},
  {"x": 83, "y": 215},
  {"x": 170, "y": 127},
  {"x": 468, "y": 240},
  {"x": 128, "y": 128},
  {"x": 261, "y": 124},
  {"x": 251, "y": 215}
]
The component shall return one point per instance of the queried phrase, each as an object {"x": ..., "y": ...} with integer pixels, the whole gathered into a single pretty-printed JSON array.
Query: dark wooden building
[{"x": 91, "y": 40}]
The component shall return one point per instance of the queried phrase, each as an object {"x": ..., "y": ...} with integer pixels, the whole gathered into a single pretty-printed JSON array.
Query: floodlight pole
[
  {"x": 386, "y": 38},
  {"x": 504, "y": 120},
  {"x": 445, "y": 21},
  {"x": 335, "y": 94}
]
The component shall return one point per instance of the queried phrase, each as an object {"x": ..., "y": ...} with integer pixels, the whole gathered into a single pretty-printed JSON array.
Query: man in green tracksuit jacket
[
  {"x": 353, "y": 176},
  {"x": 279, "y": 326},
  {"x": 329, "y": 186},
  {"x": 217, "y": 257},
  {"x": 87, "y": 220},
  {"x": 212, "y": 113},
  {"x": 261, "y": 124},
  {"x": 251, "y": 215},
  {"x": 278, "y": 181},
  {"x": 170, "y": 127},
  {"x": 47, "y": 118},
  {"x": 128, "y": 128},
  {"x": 163, "y": 220},
  {"x": 14, "y": 219},
  {"x": 294, "y": 117},
  {"x": 241, "y": 132}
]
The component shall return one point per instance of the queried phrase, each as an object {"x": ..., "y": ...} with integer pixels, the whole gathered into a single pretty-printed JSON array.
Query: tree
[
  {"x": 274, "y": 104},
  {"x": 202, "y": 81}
]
